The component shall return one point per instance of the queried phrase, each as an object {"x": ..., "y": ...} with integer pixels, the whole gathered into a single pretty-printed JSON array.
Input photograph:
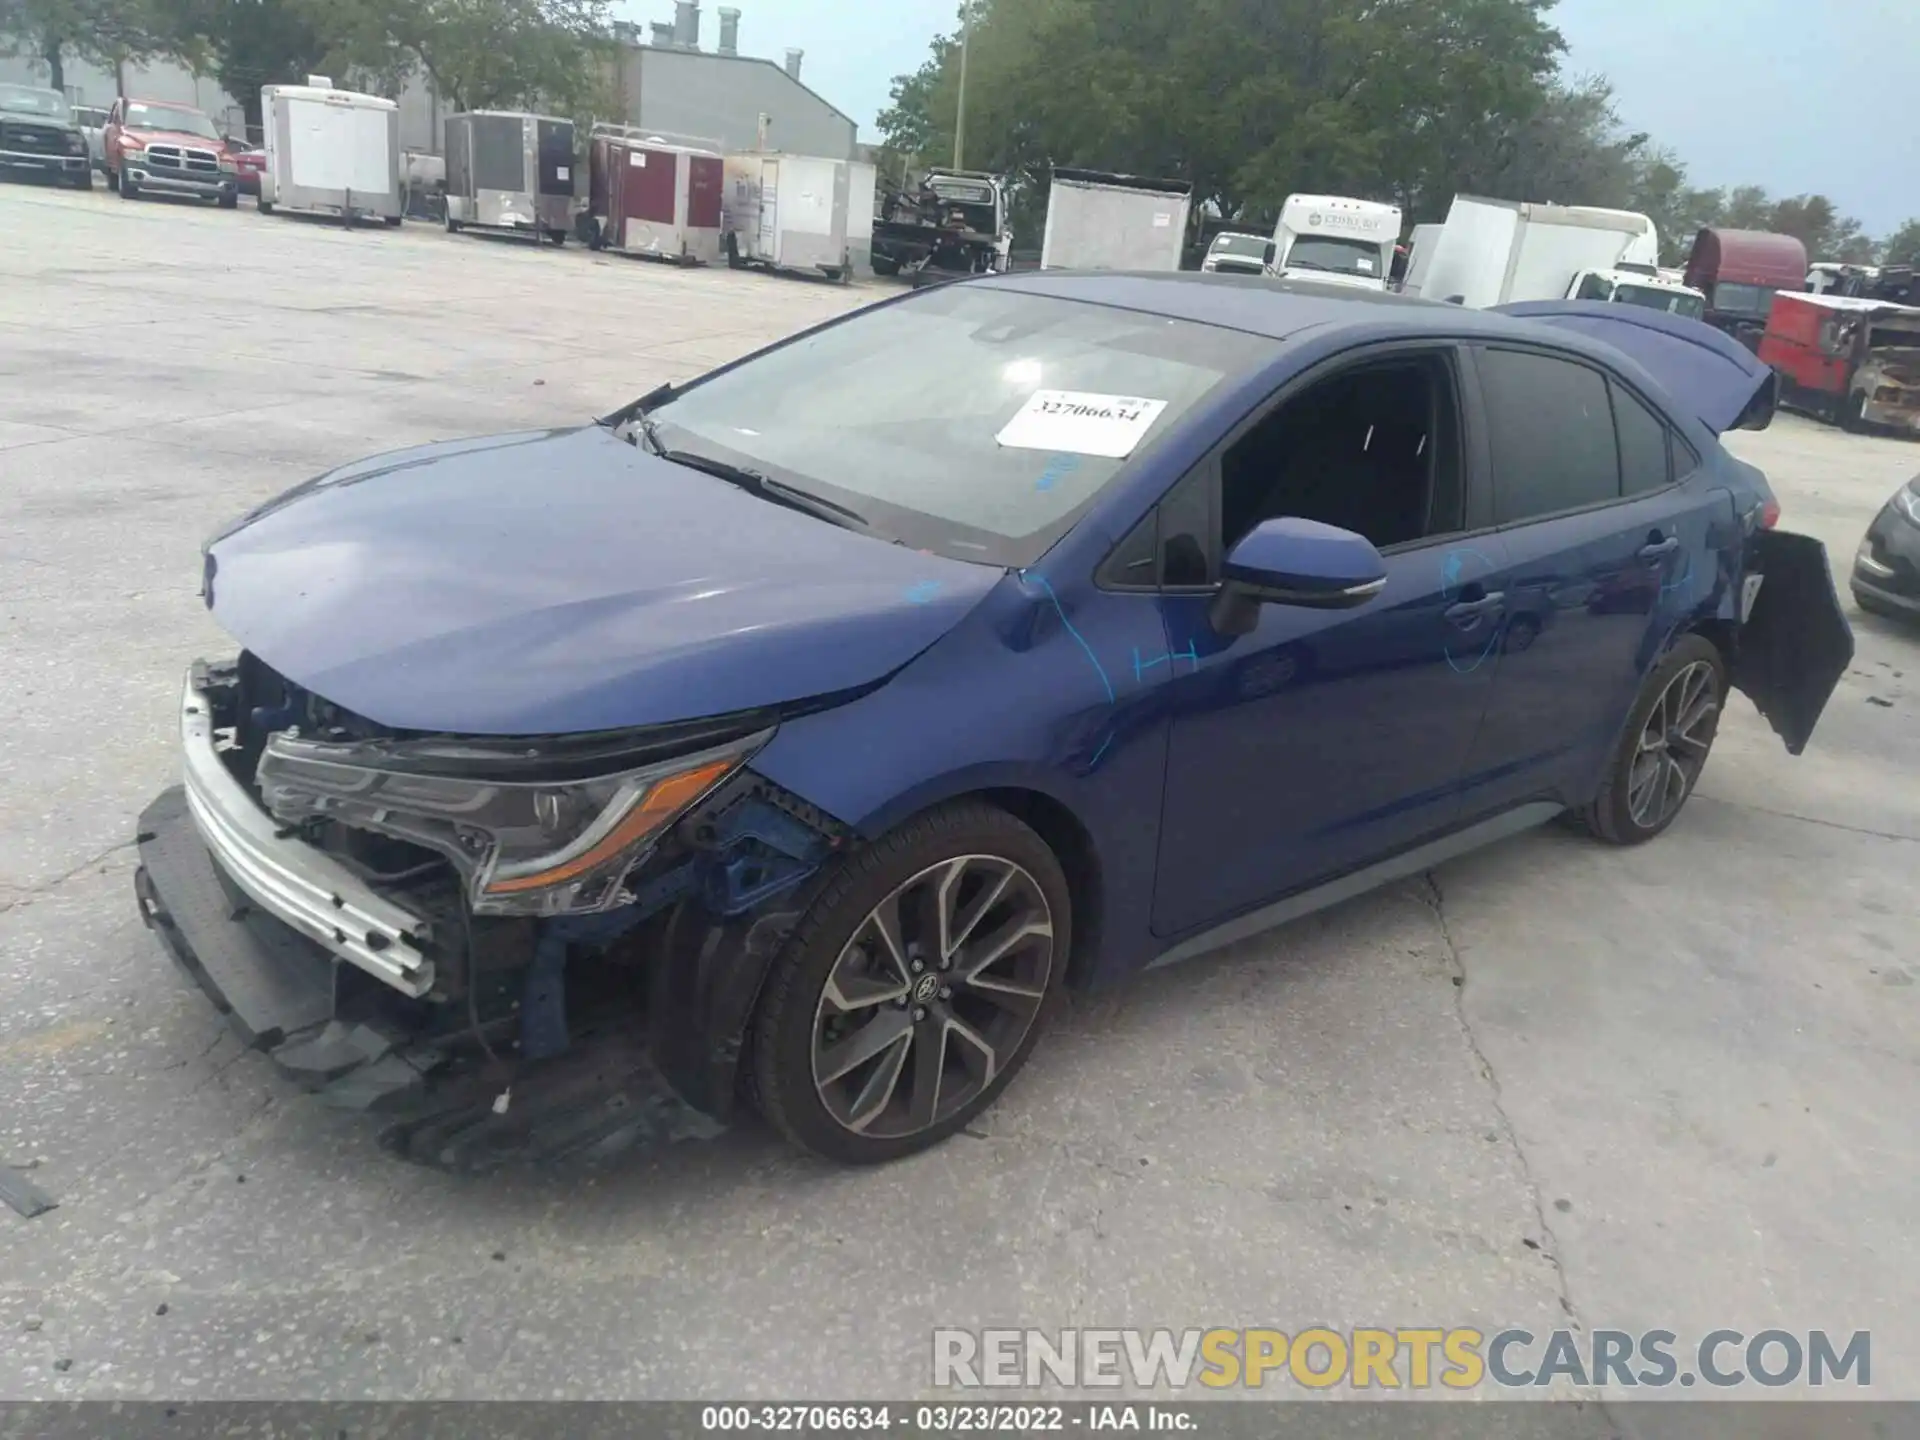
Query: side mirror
[{"x": 1289, "y": 561}]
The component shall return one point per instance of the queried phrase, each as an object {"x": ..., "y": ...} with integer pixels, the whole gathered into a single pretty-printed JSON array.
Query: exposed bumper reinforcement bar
[{"x": 289, "y": 879}]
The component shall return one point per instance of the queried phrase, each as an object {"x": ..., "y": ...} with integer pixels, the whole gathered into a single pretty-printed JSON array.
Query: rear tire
[
  {"x": 940, "y": 1028},
  {"x": 265, "y": 207},
  {"x": 1663, "y": 747}
]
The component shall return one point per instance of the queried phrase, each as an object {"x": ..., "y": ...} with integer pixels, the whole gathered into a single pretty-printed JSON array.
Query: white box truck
[
  {"x": 330, "y": 152},
  {"x": 1496, "y": 252},
  {"x": 1337, "y": 240},
  {"x": 798, "y": 212},
  {"x": 1099, "y": 221}
]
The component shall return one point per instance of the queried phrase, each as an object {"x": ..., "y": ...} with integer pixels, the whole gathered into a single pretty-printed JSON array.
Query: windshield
[
  {"x": 1742, "y": 299},
  {"x": 962, "y": 192},
  {"x": 972, "y": 421},
  {"x": 22, "y": 100},
  {"x": 1674, "y": 302},
  {"x": 1252, "y": 245},
  {"x": 143, "y": 116},
  {"x": 1342, "y": 257}
]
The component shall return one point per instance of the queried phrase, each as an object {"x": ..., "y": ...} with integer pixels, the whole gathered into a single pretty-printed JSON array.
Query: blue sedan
[{"x": 820, "y": 721}]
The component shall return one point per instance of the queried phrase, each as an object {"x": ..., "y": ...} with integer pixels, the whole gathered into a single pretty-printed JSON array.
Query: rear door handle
[
  {"x": 1468, "y": 613},
  {"x": 1655, "y": 549}
]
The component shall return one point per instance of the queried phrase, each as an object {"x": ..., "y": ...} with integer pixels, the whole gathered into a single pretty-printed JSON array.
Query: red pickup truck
[{"x": 152, "y": 145}]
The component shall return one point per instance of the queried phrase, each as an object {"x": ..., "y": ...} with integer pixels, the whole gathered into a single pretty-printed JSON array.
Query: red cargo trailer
[
  {"x": 651, "y": 196},
  {"x": 1853, "y": 361}
]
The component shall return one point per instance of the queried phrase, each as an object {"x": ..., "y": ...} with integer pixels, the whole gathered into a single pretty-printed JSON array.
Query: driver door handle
[
  {"x": 1656, "y": 546},
  {"x": 1468, "y": 613}
]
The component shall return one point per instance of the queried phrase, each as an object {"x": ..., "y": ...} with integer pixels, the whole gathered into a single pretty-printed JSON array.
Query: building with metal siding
[{"x": 738, "y": 102}]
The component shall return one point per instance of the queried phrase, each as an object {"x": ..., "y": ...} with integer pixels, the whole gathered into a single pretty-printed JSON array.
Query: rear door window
[{"x": 1551, "y": 430}]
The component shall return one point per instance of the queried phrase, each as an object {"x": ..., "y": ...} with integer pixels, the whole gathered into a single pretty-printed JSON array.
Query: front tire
[
  {"x": 128, "y": 189},
  {"x": 914, "y": 988},
  {"x": 229, "y": 200},
  {"x": 1665, "y": 746}
]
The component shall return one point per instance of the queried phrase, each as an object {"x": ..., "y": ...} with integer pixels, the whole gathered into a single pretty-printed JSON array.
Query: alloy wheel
[
  {"x": 931, "y": 996},
  {"x": 1673, "y": 744}
]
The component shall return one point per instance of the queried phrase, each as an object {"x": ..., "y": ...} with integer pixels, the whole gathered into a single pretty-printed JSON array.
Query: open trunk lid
[{"x": 1710, "y": 374}]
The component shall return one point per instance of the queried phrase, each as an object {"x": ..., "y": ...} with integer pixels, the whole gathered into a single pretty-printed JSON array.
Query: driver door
[{"x": 1324, "y": 740}]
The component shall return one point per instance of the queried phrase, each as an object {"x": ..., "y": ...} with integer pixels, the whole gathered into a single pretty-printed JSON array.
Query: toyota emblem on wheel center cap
[{"x": 925, "y": 988}]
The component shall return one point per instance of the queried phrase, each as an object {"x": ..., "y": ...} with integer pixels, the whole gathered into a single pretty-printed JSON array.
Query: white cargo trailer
[
  {"x": 798, "y": 212},
  {"x": 1097, "y": 221},
  {"x": 1495, "y": 252},
  {"x": 331, "y": 152}
]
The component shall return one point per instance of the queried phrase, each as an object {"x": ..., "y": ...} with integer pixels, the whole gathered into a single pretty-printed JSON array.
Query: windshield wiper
[{"x": 754, "y": 483}]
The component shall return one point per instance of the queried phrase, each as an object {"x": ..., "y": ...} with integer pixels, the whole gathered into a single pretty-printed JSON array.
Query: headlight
[
  {"x": 226, "y": 164},
  {"x": 1907, "y": 500},
  {"x": 522, "y": 848}
]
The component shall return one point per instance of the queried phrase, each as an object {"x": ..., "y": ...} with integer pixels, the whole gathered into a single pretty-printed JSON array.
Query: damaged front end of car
[{"x": 441, "y": 928}]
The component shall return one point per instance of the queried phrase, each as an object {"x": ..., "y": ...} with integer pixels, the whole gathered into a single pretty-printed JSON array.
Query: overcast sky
[{"x": 1763, "y": 92}]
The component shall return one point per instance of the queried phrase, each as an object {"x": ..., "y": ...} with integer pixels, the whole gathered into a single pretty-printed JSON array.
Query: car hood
[
  {"x": 1712, "y": 375},
  {"x": 553, "y": 582},
  {"x": 172, "y": 137}
]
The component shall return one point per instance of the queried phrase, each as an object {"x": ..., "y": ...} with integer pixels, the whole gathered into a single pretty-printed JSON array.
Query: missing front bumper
[{"x": 441, "y": 1097}]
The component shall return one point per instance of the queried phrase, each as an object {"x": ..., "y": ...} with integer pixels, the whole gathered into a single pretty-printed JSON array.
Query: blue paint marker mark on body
[
  {"x": 1454, "y": 579},
  {"x": 924, "y": 593},
  {"x": 1140, "y": 667},
  {"x": 1093, "y": 659}
]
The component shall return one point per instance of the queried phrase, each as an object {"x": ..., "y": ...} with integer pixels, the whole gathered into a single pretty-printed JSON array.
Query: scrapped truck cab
[
  {"x": 1740, "y": 271},
  {"x": 1850, "y": 361}
]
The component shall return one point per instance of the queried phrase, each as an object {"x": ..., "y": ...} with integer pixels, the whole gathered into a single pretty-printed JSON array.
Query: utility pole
[{"x": 960, "y": 118}]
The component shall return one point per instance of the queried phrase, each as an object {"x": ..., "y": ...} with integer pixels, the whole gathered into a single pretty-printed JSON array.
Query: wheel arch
[{"x": 1050, "y": 814}]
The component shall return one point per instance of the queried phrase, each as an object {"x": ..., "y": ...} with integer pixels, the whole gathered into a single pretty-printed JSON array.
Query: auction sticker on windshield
[{"x": 1081, "y": 423}]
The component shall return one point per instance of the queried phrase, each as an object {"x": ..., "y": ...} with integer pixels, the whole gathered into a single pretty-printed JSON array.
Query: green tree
[
  {"x": 245, "y": 44},
  {"x": 1903, "y": 246},
  {"x": 105, "y": 32},
  {"x": 483, "y": 54},
  {"x": 1248, "y": 100}
]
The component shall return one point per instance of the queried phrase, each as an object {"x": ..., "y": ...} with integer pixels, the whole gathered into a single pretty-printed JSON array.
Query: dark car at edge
[
  {"x": 1886, "y": 568},
  {"x": 821, "y": 721}
]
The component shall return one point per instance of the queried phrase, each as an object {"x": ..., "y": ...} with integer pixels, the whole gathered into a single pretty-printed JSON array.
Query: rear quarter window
[{"x": 1644, "y": 461}]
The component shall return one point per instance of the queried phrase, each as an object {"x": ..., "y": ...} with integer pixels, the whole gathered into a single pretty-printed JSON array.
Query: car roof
[{"x": 1278, "y": 309}]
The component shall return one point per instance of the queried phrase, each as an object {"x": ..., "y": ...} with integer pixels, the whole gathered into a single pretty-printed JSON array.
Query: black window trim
[
  {"x": 1611, "y": 378},
  {"x": 1475, "y": 474}
]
